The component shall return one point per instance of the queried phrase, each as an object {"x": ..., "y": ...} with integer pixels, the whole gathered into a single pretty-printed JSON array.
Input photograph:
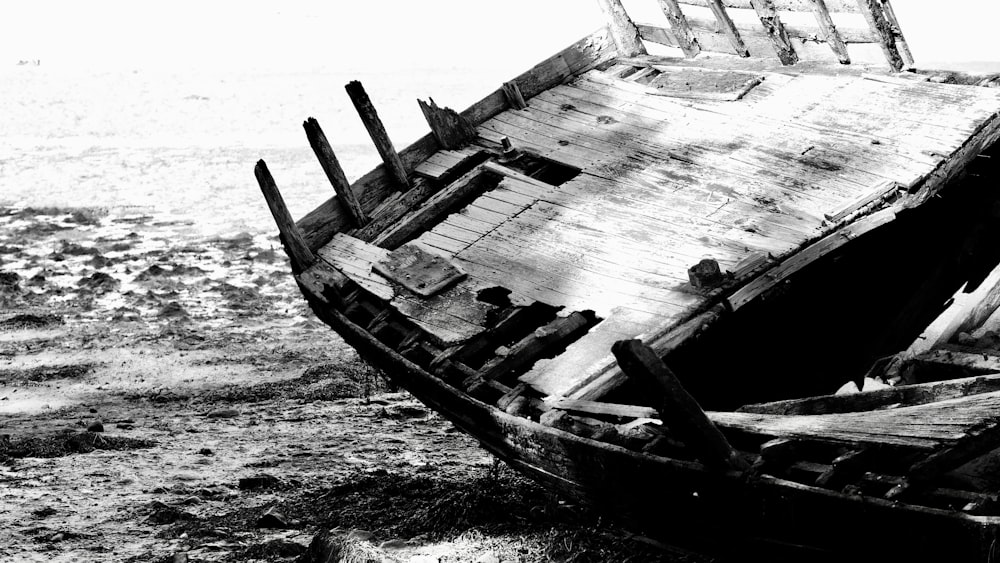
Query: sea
[{"x": 181, "y": 145}]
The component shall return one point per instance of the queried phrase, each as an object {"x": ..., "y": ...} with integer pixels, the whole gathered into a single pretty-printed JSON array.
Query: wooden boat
[{"x": 765, "y": 221}]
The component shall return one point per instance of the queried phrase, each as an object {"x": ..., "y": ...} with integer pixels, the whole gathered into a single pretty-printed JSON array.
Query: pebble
[
  {"x": 95, "y": 426},
  {"x": 272, "y": 519},
  {"x": 206, "y": 451}
]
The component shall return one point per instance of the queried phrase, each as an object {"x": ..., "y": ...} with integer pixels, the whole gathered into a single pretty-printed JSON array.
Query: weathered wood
[
  {"x": 845, "y": 468},
  {"x": 901, "y": 45},
  {"x": 728, "y": 27},
  {"x": 979, "y": 442},
  {"x": 291, "y": 238},
  {"x": 366, "y": 110},
  {"x": 682, "y": 31},
  {"x": 451, "y": 130},
  {"x": 679, "y": 411},
  {"x": 597, "y": 407},
  {"x": 966, "y": 312},
  {"x": 768, "y": 15},
  {"x": 423, "y": 217},
  {"x": 830, "y": 33},
  {"x": 623, "y": 31},
  {"x": 878, "y": 193},
  {"x": 513, "y": 94},
  {"x": 536, "y": 345},
  {"x": 874, "y": 15},
  {"x": 331, "y": 166},
  {"x": 845, "y": 6},
  {"x": 902, "y": 395}
]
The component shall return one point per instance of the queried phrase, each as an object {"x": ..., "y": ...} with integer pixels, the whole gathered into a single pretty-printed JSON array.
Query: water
[{"x": 182, "y": 145}]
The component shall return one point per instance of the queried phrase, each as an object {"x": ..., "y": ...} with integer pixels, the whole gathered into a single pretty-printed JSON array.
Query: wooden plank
[
  {"x": 775, "y": 30},
  {"x": 798, "y": 30},
  {"x": 728, "y": 27},
  {"x": 680, "y": 27},
  {"x": 623, "y": 31},
  {"x": 444, "y": 162},
  {"x": 967, "y": 311},
  {"x": 845, "y": 6},
  {"x": 421, "y": 218},
  {"x": 537, "y": 344},
  {"x": 874, "y": 15},
  {"x": 902, "y": 395},
  {"x": 830, "y": 33},
  {"x": 376, "y": 130},
  {"x": 679, "y": 411},
  {"x": 331, "y": 167},
  {"x": 597, "y": 407},
  {"x": 319, "y": 225},
  {"x": 877, "y": 193},
  {"x": 291, "y": 238}
]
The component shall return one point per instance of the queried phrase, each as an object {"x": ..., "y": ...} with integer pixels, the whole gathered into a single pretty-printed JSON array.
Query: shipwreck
[{"x": 641, "y": 279}]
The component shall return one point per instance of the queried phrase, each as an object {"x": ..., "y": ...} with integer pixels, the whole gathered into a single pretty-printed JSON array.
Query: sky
[{"x": 313, "y": 35}]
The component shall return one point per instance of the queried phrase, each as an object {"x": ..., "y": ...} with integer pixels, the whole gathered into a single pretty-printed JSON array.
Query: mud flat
[{"x": 164, "y": 397}]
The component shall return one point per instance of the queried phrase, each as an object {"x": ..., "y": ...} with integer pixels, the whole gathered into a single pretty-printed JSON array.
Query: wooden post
[
  {"x": 623, "y": 31},
  {"x": 830, "y": 33},
  {"x": 377, "y": 132},
  {"x": 901, "y": 45},
  {"x": 679, "y": 411},
  {"x": 330, "y": 164},
  {"x": 776, "y": 32},
  {"x": 872, "y": 10},
  {"x": 450, "y": 129},
  {"x": 513, "y": 94},
  {"x": 291, "y": 237},
  {"x": 728, "y": 27},
  {"x": 678, "y": 23}
]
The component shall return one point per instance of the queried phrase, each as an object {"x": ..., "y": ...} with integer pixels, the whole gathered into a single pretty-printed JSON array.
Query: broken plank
[
  {"x": 542, "y": 341},
  {"x": 623, "y": 31},
  {"x": 376, "y": 130},
  {"x": 331, "y": 167},
  {"x": 775, "y": 30},
  {"x": 291, "y": 238},
  {"x": 597, "y": 407},
  {"x": 830, "y": 33},
  {"x": 875, "y": 194},
  {"x": 728, "y": 27},
  {"x": 679, "y": 24},
  {"x": 880, "y": 26}
]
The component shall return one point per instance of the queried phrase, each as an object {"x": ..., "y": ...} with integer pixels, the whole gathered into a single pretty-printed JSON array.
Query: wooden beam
[
  {"x": 768, "y": 15},
  {"x": 846, "y": 6},
  {"x": 902, "y": 395},
  {"x": 291, "y": 237},
  {"x": 977, "y": 443},
  {"x": 366, "y": 110},
  {"x": 534, "y": 346},
  {"x": 901, "y": 45},
  {"x": 830, "y": 33},
  {"x": 331, "y": 166},
  {"x": 682, "y": 31},
  {"x": 451, "y": 130},
  {"x": 513, "y": 94},
  {"x": 679, "y": 411},
  {"x": 623, "y": 31},
  {"x": 728, "y": 27},
  {"x": 875, "y": 16},
  {"x": 966, "y": 312}
]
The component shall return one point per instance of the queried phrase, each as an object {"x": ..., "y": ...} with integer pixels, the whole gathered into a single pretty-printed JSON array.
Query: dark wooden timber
[
  {"x": 830, "y": 33},
  {"x": 366, "y": 110},
  {"x": 331, "y": 166},
  {"x": 679, "y": 410},
  {"x": 768, "y": 15},
  {"x": 901, "y": 45},
  {"x": 291, "y": 238},
  {"x": 451, "y": 130},
  {"x": 872, "y": 10},
  {"x": 623, "y": 31},
  {"x": 728, "y": 27},
  {"x": 536, "y": 345},
  {"x": 513, "y": 95},
  {"x": 682, "y": 31},
  {"x": 903, "y": 395}
]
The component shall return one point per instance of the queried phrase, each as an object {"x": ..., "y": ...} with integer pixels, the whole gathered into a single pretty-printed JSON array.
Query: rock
[
  {"x": 488, "y": 557},
  {"x": 394, "y": 543},
  {"x": 172, "y": 310},
  {"x": 263, "y": 481},
  {"x": 95, "y": 426},
  {"x": 179, "y": 557},
  {"x": 205, "y": 451},
  {"x": 223, "y": 413},
  {"x": 99, "y": 282},
  {"x": 848, "y": 388},
  {"x": 273, "y": 519}
]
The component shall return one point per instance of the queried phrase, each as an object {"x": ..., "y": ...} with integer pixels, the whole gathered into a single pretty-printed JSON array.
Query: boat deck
[{"x": 668, "y": 180}]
